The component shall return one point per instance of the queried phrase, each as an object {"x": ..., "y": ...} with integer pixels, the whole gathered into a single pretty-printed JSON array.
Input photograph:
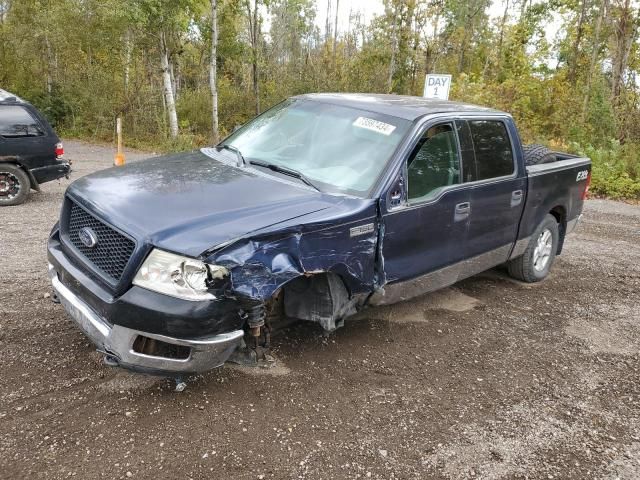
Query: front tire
[
  {"x": 14, "y": 185},
  {"x": 534, "y": 265}
]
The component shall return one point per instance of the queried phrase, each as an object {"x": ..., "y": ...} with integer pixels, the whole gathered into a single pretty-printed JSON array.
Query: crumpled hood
[{"x": 189, "y": 203}]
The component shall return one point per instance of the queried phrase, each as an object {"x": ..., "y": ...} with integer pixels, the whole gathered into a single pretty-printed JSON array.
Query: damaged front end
[
  {"x": 319, "y": 272},
  {"x": 179, "y": 314}
]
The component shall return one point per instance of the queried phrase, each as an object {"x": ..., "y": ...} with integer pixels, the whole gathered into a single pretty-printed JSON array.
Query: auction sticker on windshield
[{"x": 374, "y": 125}]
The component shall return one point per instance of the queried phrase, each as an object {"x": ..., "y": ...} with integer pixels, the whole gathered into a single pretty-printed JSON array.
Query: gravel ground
[{"x": 489, "y": 379}]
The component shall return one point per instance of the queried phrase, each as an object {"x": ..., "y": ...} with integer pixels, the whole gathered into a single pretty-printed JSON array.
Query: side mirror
[{"x": 396, "y": 195}]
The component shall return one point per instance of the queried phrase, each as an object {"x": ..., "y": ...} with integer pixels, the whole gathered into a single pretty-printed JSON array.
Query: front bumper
[{"x": 119, "y": 342}]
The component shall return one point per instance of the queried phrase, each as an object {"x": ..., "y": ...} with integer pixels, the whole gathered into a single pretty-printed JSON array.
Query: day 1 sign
[{"x": 437, "y": 86}]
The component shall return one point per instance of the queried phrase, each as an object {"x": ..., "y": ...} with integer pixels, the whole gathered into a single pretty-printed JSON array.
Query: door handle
[
  {"x": 516, "y": 198},
  {"x": 462, "y": 211}
]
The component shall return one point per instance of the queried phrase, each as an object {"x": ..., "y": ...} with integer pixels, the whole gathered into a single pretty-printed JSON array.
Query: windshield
[{"x": 339, "y": 149}]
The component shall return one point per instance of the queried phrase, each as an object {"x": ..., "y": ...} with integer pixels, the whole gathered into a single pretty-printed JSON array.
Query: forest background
[{"x": 184, "y": 73}]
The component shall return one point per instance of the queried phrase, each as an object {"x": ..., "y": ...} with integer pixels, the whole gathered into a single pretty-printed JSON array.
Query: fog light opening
[{"x": 158, "y": 348}]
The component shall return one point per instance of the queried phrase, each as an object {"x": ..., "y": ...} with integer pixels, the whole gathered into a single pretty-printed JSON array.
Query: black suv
[{"x": 30, "y": 151}]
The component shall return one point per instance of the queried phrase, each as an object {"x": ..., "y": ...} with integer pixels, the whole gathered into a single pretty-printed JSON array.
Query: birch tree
[
  {"x": 595, "y": 51},
  {"x": 625, "y": 31},
  {"x": 169, "y": 97},
  {"x": 253, "y": 19},
  {"x": 213, "y": 75}
]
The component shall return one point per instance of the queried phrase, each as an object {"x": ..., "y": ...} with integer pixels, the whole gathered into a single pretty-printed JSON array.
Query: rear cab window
[
  {"x": 486, "y": 147},
  {"x": 17, "y": 122}
]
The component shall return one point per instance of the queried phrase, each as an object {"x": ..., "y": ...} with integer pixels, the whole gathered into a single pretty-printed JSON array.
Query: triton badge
[{"x": 361, "y": 230}]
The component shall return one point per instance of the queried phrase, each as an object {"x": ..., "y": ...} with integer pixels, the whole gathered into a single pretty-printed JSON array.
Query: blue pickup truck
[{"x": 321, "y": 206}]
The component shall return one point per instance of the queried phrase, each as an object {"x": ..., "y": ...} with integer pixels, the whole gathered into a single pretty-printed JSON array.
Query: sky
[
  {"x": 371, "y": 8},
  {"x": 368, "y": 8}
]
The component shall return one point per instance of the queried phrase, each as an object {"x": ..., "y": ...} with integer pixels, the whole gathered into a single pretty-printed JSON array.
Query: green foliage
[
  {"x": 84, "y": 63},
  {"x": 54, "y": 106},
  {"x": 616, "y": 169}
]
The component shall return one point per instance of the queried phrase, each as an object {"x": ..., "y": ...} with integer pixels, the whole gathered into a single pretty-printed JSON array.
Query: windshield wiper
[
  {"x": 241, "y": 159},
  {"x": 287, "y": 171}
]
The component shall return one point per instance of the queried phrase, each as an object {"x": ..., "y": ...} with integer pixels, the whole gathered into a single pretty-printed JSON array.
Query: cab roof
[
  {"x": 402, "y": 106},
  {"x": 8, "y": 97}
]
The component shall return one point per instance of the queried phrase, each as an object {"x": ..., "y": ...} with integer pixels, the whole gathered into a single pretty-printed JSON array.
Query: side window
[
  {"x": 469, "y": 173},
  {"x": 434, "y": 163},
  {"x": 494, "y": 155},
  {"x": 16, "y": 121}
]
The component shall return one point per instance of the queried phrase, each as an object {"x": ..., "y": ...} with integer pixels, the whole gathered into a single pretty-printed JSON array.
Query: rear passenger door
[{"x": 497, "y": 191}]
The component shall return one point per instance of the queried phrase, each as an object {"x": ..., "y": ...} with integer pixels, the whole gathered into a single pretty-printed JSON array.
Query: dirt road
[{"x": 489, "y": 379}]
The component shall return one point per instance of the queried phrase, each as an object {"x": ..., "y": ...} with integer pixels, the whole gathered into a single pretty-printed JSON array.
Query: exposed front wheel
[
  {"x": 535, "y": 263},
  {"x": 14, "y": 185}
]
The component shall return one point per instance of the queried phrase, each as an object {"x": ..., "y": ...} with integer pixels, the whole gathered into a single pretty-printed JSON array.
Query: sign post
[
  {"x": 119, "y": 159},
  {"x": 437, "y": 86}
]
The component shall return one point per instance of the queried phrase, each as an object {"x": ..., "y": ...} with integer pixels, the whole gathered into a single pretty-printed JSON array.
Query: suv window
[
  {"x": 494, "y": 155},
  {"x": 16, "y": 121},
  {"x": 434, "y": 163}
]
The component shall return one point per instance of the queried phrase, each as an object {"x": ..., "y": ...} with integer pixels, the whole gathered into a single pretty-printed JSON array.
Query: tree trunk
[
  {"x": 327, "y": 26},
  {"x": 127, "y": 59},
  {"x": 174, "y": 82},
  {"x": 394, "y": 46},
  {"x": 49, "y": 77},
  {"x": 503, "y": 22},
  {"x": 624, "y": 36},
  {"x": 417, "y": 26},
  {"x": 604, "y": 5},
  {"x": 168, "y": 88},
  {"x": 335, "y": 32},
  {"x": 575, "y": 51},
  {"x": 213, "y": 66},
  {"x": 463, "y": 42},
  {"x": 254, "y": 31}
]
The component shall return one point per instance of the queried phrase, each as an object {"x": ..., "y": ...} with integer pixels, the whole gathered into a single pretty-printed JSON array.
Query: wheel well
[
  {"x": 15, "y": 161},
  {"x": 321, "y": 297},
  {"x": 560, "y": 214}
]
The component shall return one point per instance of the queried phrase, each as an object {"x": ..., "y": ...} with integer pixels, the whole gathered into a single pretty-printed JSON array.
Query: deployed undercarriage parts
[
  {"x": 256, "y": 346},
  {"x": 321, "y": 298}
]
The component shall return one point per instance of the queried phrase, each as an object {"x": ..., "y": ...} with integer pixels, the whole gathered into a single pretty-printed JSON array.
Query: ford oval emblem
[{"x": 88, "y": 237}]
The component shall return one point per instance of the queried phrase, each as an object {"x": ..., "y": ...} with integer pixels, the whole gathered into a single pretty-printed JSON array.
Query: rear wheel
[
  {"x": 536, "y": 154},
  {"x": 14, "y": 185},
  {"x": 536, "y": 262}
]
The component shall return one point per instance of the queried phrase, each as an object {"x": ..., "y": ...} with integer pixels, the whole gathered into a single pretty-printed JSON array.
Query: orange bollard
[{"x": 119, "y": 159}]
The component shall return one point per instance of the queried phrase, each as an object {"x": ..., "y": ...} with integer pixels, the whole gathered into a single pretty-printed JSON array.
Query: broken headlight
[{"x": 177, "y": 276}]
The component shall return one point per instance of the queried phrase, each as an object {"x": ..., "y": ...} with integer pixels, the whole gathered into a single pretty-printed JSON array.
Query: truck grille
[{"x": 112, "y": 250}]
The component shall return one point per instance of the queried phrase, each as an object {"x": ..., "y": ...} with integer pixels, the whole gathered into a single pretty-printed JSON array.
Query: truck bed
[{"x": 556, "y": 187}]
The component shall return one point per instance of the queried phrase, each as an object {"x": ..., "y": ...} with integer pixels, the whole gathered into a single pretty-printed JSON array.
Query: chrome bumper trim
[{"x": 117, "y": 341}]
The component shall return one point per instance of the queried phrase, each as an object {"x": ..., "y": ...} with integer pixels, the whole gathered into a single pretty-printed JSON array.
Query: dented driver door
[{"x": 426, "y": 217}]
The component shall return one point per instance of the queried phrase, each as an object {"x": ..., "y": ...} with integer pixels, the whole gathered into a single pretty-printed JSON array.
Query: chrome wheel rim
[
  {"x": 542, "y": 252},
  {"x": 9, "y": 186}
]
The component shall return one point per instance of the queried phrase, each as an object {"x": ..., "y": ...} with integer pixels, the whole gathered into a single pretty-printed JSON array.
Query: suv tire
[
  {"x": 14, "y": 185},
  {"x": 535, "y": 263}
]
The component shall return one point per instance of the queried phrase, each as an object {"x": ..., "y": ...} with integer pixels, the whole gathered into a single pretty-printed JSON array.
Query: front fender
[{"x": 261, "y": 265}]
